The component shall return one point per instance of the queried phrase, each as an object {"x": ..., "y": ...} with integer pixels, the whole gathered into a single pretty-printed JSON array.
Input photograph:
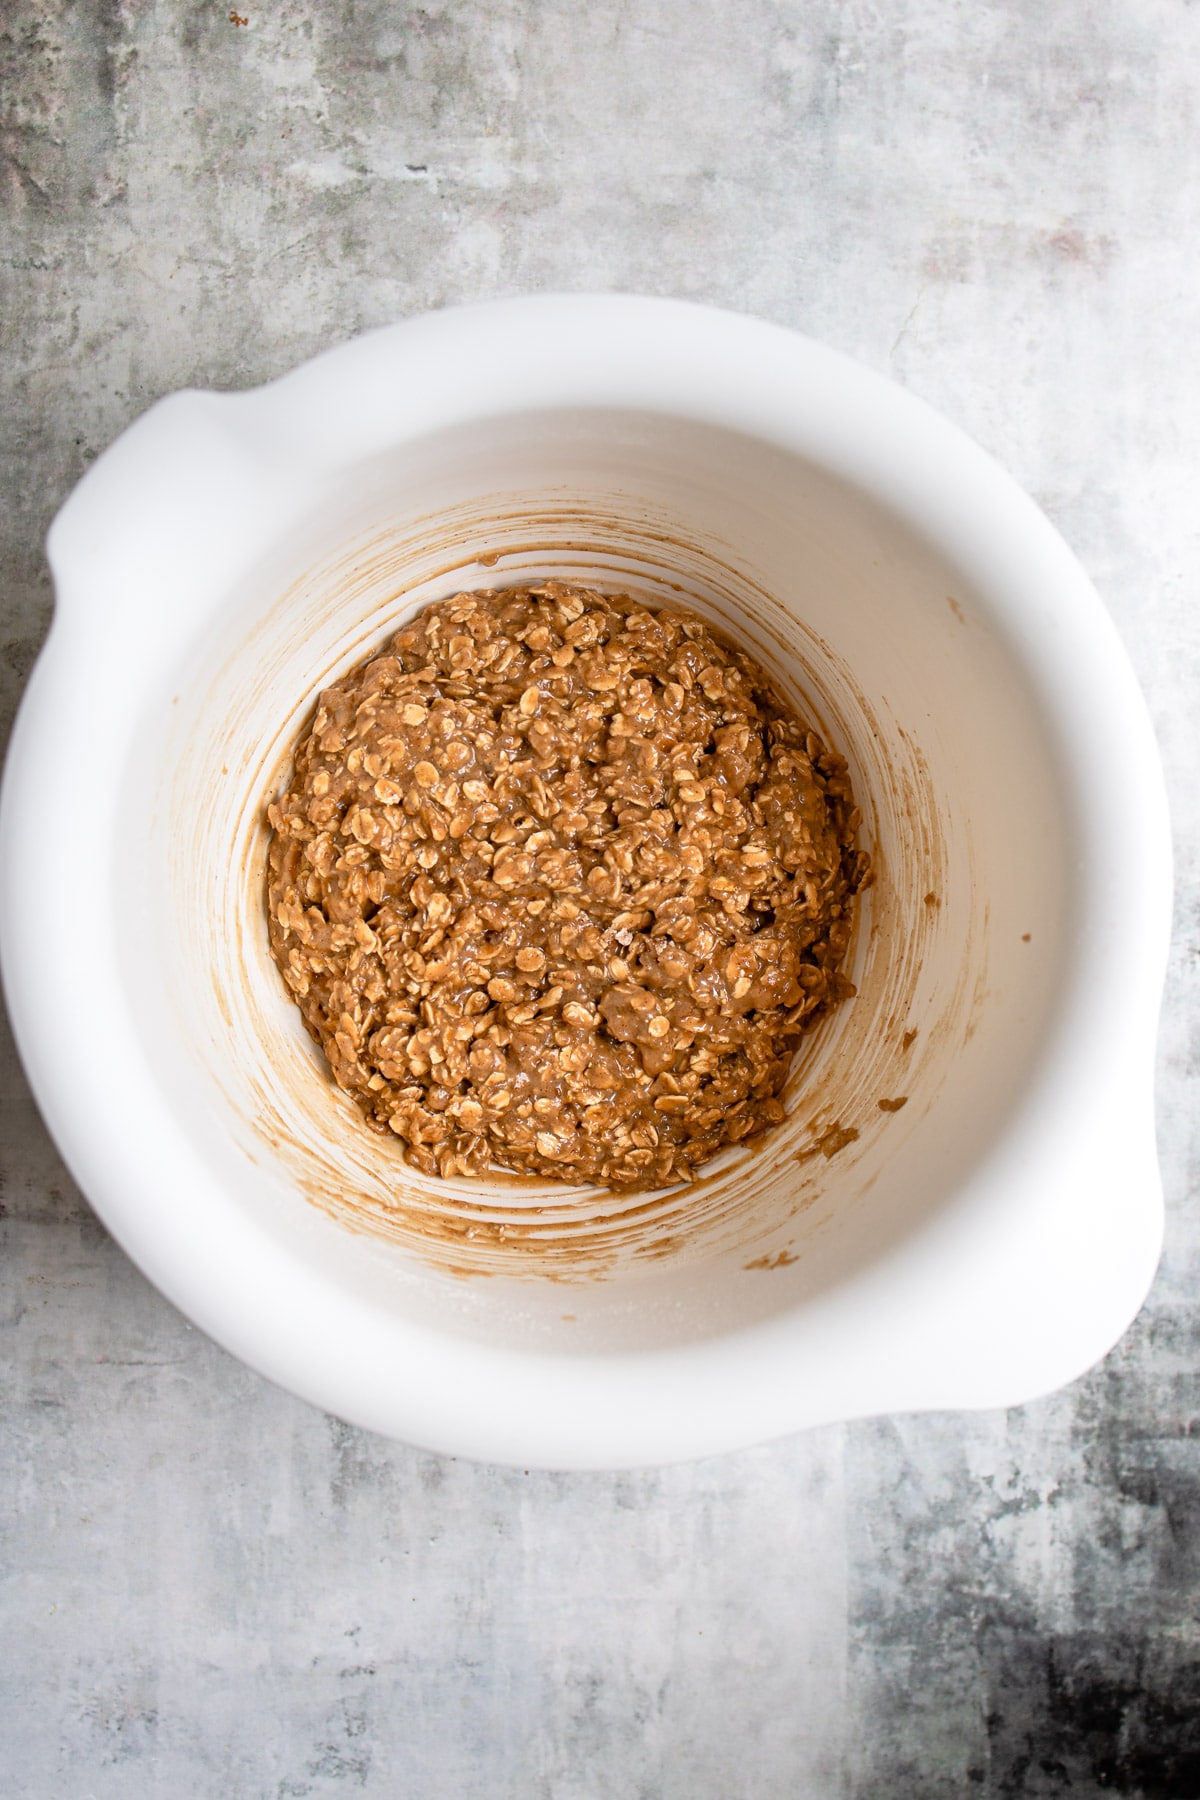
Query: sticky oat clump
[{"x": 557, "y": 884}]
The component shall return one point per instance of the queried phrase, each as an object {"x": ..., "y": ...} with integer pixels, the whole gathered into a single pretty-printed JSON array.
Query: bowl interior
[{"x": 891, "y": 650}]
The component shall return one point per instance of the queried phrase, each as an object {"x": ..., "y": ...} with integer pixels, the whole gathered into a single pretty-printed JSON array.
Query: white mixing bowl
[{"x": 978, "y": 1245}]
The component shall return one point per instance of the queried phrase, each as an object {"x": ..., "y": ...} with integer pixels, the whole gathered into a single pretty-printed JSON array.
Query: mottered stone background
[{"x": 210, "y": 1590}]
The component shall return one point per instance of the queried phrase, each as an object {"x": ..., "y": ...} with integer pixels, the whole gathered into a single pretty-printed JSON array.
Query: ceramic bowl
[{"x": 982, "y": 1242}]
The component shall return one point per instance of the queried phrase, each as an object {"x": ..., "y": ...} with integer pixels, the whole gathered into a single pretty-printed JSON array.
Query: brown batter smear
[{"x": 558, "y": 883}]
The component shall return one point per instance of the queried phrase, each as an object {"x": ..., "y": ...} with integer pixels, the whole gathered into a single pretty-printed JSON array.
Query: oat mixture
[{"x": 557, "y": 884}]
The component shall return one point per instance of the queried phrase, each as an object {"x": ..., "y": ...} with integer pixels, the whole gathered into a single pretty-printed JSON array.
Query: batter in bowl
[{"x": 558, "y": 882}]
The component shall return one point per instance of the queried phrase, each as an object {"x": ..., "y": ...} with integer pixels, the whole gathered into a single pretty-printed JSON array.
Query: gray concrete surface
[{"x": 208, "y": 1589}]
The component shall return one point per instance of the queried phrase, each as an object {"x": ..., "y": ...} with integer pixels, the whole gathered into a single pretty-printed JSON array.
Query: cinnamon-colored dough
[{"x": 557, "y": 884}]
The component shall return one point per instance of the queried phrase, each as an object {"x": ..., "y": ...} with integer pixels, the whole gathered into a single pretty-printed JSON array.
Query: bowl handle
[{"x": 172, "y": 512}]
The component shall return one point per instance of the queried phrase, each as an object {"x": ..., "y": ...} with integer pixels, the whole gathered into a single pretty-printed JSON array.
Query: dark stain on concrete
[
  {"x": 1091, "y": 1713},
  {"x": 1025, "y": 1605}
]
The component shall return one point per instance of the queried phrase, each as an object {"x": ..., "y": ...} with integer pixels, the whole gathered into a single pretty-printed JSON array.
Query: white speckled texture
[{"x": 207, "y": 1588}]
